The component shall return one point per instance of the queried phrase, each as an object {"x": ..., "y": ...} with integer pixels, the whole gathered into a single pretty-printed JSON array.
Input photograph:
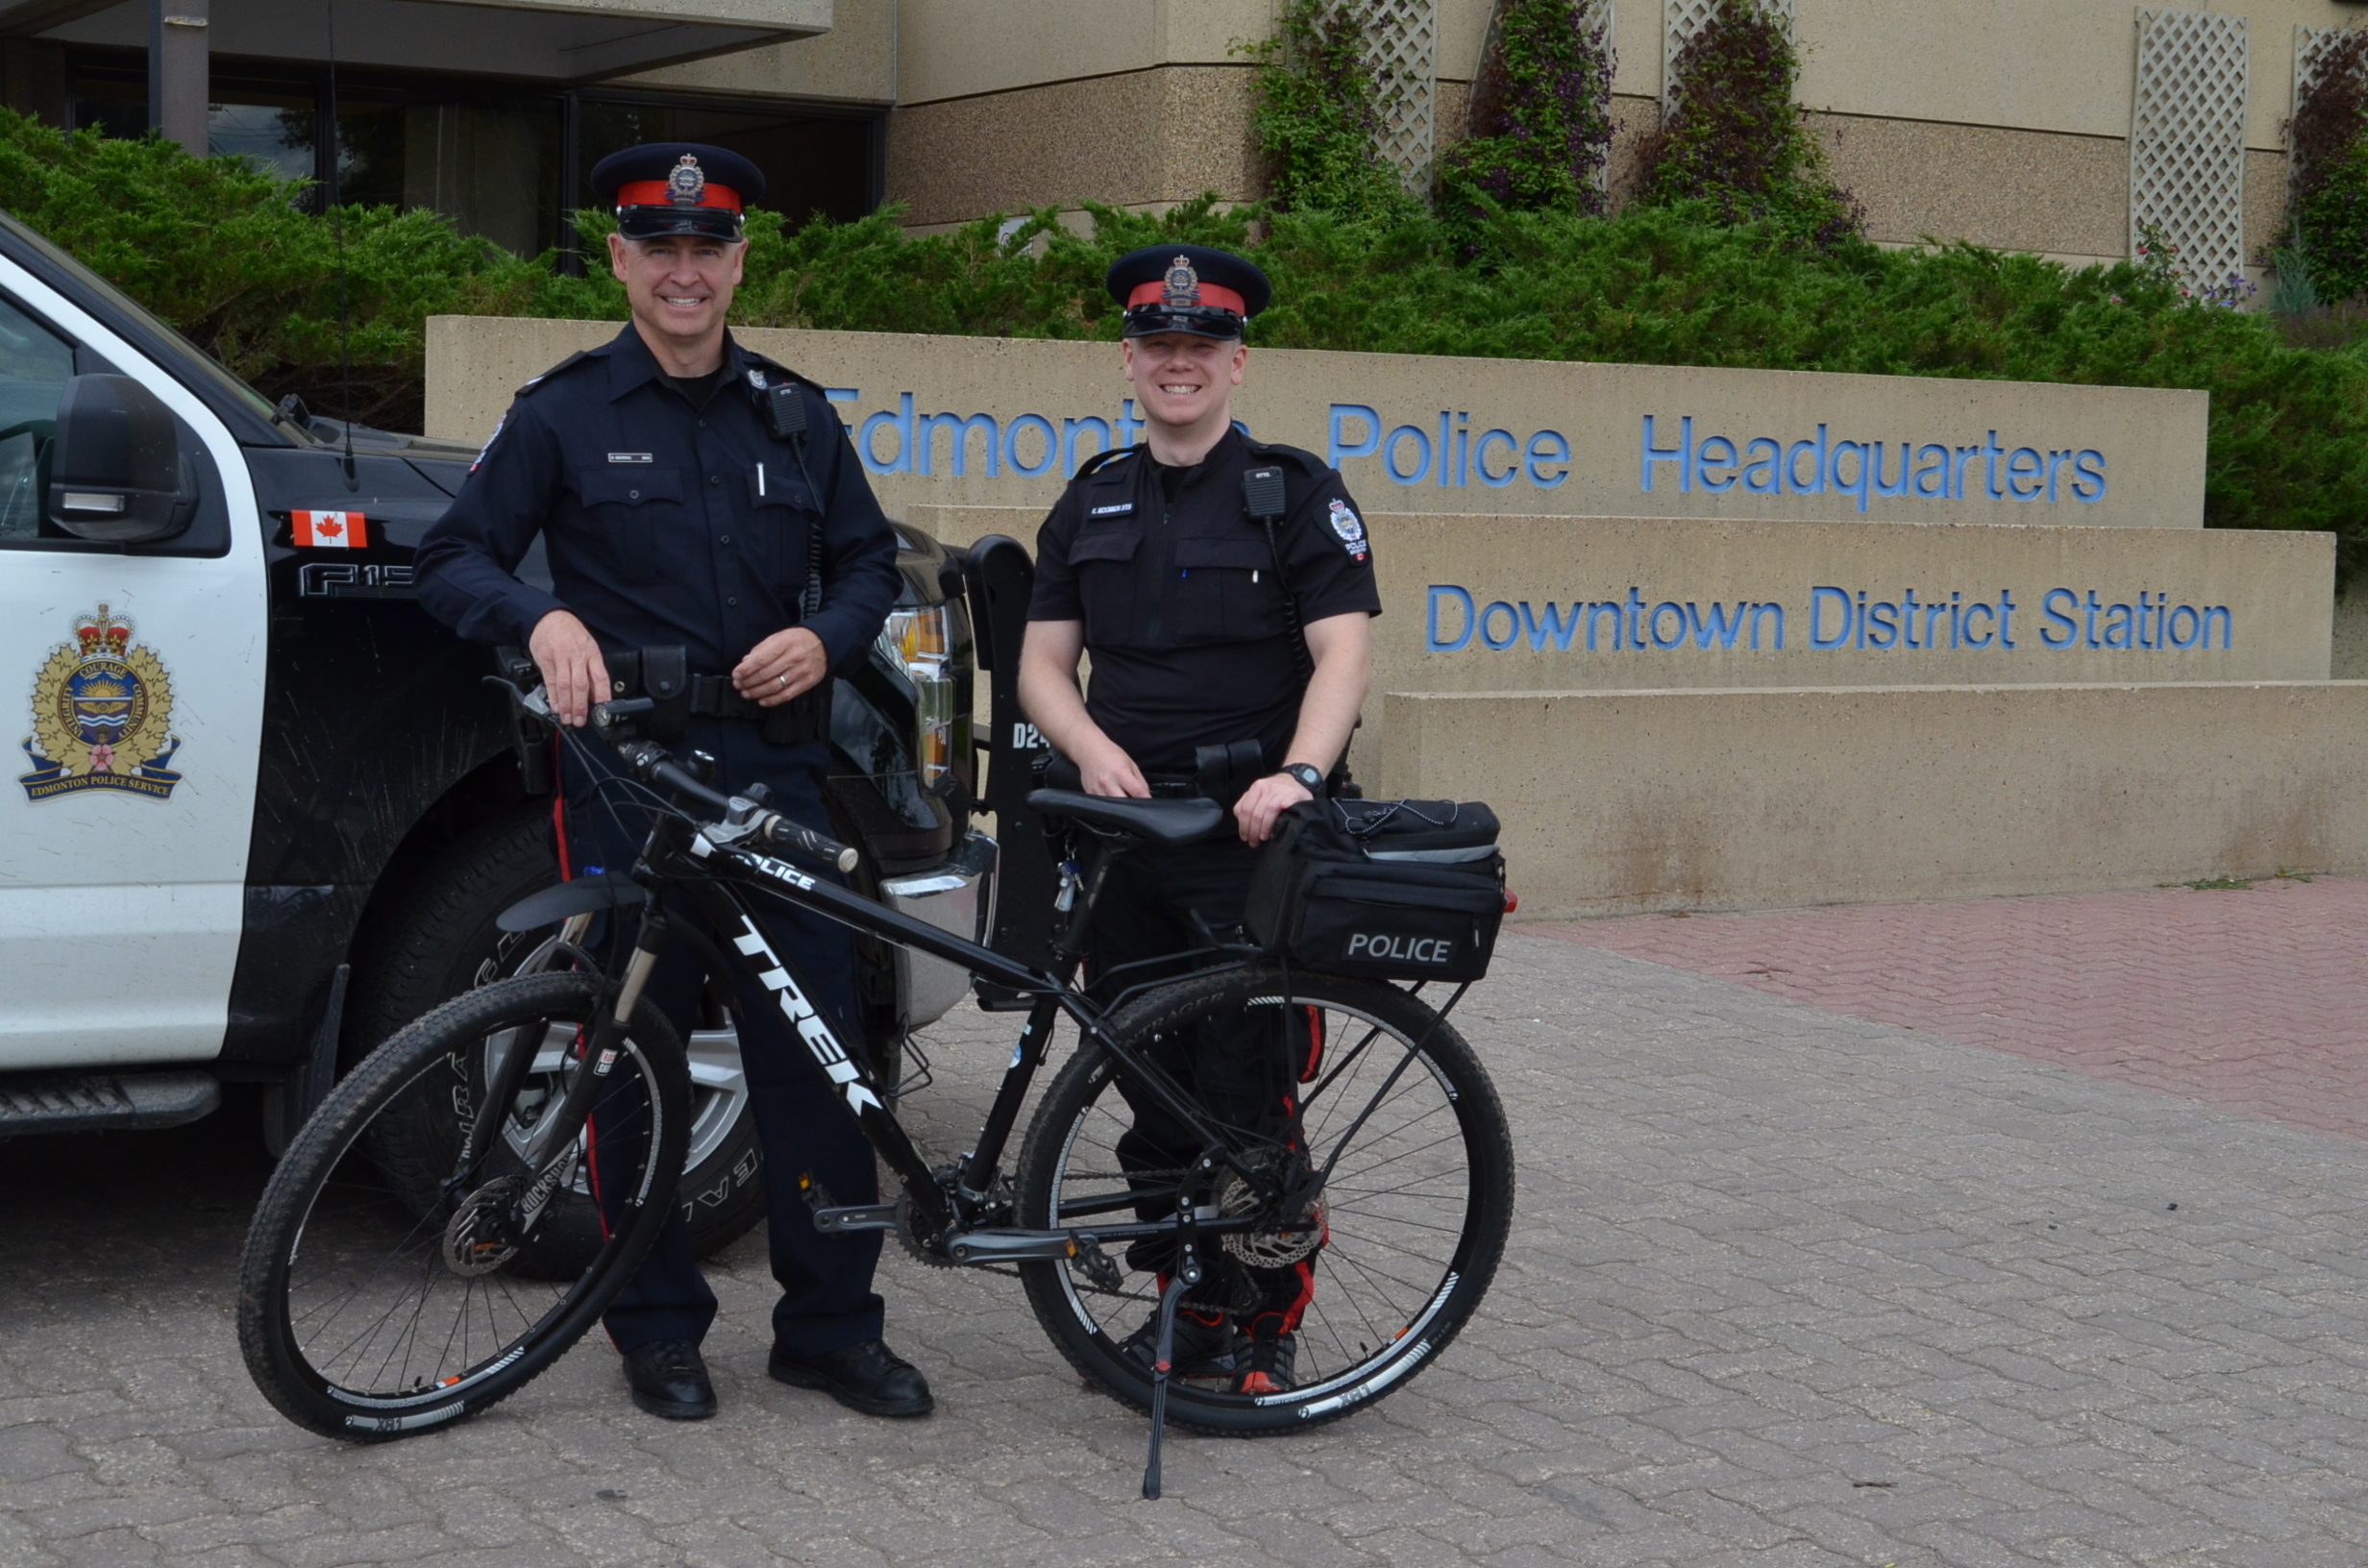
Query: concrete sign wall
[
  {"x": 1610, "y": 604},
  {"x": 967, "y": 421}
]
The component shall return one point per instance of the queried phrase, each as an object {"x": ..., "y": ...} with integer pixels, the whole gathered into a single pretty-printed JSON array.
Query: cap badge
[
  {"x": 686, "y": 182},
  {"x": 1183, "y": 283}
]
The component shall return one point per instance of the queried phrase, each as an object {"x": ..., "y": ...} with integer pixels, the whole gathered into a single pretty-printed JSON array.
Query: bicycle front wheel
[
  {"x": 1410, "y": 1226},
  {"x": 385, "y": 1290}
]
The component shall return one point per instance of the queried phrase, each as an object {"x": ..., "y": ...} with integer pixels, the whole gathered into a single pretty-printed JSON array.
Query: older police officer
[
  {"x": 1205, "y": 631},
  {"x": 676, "y": 513}
]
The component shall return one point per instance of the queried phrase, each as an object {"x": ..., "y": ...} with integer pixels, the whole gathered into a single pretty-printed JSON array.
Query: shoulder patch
[
  {"x": 1298, "y": 457},
  {"x": 1351, "y": 529},
  {"x": 563, "y": 366}
]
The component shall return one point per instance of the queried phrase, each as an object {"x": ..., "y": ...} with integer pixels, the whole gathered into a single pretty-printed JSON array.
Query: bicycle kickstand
[{"x": 1161, "y": 1360}]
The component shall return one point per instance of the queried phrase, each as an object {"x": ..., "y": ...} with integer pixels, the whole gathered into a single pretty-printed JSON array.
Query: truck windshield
[{"x": 205, "y": 363}]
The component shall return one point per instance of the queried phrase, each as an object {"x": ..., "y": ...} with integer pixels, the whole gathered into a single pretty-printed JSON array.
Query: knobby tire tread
[
  {"x": 1179, "y": 1002},
  {"x": 339, "y": 1127}
]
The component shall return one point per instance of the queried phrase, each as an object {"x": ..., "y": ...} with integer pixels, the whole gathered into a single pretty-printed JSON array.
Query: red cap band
[
  {"x": 1156, "y": 293},
  {"x": 655, "y": 193}
]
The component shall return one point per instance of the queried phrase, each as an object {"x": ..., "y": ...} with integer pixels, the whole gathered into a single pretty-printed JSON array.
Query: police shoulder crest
[
  {"x": 102, "y": 716},
  {"x": 1350, "y": 527}
]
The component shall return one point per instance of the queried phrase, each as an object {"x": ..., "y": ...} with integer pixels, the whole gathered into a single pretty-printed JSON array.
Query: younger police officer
[
  {"x": 675, "y": 516},
  {"x": 1151, "y": 561}
]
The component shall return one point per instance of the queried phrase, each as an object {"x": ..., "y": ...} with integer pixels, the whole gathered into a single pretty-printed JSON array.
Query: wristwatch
[{"x": 1308, "y": 778}]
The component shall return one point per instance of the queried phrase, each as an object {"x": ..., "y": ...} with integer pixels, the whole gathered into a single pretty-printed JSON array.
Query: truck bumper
[{"x": 955, "y": 899}]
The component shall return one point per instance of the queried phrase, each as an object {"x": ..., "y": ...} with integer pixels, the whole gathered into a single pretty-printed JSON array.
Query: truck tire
[{"x": 440, "y": 940}]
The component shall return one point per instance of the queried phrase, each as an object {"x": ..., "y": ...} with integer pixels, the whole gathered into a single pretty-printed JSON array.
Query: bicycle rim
[
  {"x": 372, "y": 1304},
  {"x": 1414, "y": 1220}
]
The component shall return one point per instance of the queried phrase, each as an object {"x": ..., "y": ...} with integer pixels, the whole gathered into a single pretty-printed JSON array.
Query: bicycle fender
[{"x": 584, "y": 895}]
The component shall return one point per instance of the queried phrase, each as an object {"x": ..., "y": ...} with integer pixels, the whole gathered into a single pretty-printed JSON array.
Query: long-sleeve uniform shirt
[
  {"x": 1175, "y": 584},
  {"x": 665, "y": 524}
]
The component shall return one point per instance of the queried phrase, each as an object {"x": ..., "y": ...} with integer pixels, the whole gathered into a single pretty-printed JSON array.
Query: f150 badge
[{"x": 102, "y": 716}]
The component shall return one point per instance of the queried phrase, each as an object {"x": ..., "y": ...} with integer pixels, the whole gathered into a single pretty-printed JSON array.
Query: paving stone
[{"x": 1773, "y": 1240}]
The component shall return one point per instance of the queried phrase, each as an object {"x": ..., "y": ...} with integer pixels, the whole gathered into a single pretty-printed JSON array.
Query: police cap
[
  {"x": 1187, "y": 288},
  {"x": 677, "y": 188}
]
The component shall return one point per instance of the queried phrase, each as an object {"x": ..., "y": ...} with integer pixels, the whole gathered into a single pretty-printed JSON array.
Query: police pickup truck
[{"x": 263, "y": 810}]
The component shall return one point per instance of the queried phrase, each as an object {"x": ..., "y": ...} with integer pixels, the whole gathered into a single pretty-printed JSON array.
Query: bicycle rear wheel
[
  {"x": 1413, "y": 1216},
  {"x": 371, "y": 1302}
]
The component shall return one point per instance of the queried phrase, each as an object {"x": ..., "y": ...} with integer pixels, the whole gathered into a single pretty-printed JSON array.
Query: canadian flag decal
[{"x": 331, "y": 530}]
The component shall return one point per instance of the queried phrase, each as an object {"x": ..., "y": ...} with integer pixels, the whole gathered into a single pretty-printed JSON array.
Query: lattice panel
[
  {"x": 1681, "y": 19},
  {"x": 1402, "y": 53},
  {"x": 2188, "y": 139}
]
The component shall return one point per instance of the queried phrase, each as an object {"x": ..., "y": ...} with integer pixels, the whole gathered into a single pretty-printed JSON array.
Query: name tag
[
  {"x": 1119, "y": 509},
  {"x": 629, "y": 457}
]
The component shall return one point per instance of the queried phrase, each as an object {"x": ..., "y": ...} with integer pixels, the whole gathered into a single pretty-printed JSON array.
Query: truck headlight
[{"x": 920, "y": 641}]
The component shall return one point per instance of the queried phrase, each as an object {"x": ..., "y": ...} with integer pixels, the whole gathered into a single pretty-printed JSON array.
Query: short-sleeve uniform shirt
[{"x": 1175, "y": 583}]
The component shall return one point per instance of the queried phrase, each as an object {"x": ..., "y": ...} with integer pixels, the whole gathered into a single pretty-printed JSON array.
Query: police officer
[
  {"x": 1205, "y": 632},
  {"x": 677, "y": 513}
]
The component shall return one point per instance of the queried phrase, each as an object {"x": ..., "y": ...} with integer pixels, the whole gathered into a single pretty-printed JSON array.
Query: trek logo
[
  {"x": 809, "y": 1023},
  {"x": 1402, "y": 950}
]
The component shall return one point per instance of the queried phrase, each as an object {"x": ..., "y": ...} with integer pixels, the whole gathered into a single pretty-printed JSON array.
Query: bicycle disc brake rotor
[
  {"x": 477, "y": 1240},
  {"x": 1276, "y": 1248}
]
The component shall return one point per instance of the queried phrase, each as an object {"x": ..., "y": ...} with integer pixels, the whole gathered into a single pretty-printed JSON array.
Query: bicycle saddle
[{"x": 1161, "y": 821}]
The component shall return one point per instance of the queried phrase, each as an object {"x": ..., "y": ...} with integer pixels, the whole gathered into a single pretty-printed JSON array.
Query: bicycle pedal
[{"x": 866, "y": 1216}]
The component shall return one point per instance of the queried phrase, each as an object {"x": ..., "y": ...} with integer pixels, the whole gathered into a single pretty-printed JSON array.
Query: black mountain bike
[{"x": 392, "y": 1282}]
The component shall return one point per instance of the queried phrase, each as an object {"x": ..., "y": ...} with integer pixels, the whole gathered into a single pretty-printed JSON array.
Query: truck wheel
[{"x": 440, "y": 940}]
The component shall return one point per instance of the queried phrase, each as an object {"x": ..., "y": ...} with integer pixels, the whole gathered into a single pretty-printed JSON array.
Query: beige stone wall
[
  {"x": 854, "y": 62},
  {"x": 1137, "y": 139},
  {"x": 1626, "y": 801}
]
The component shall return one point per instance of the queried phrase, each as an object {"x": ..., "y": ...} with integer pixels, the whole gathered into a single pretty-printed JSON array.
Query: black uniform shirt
[
  {"x": 666, "y": 523},
  {"x": 1182, "y": 613}
]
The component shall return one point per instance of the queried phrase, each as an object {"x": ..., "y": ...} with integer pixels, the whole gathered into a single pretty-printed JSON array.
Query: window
[{"x": 35, "y": 365}]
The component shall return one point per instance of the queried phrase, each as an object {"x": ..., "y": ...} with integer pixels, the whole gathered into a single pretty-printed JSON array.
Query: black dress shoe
[
  {"x": 869, "y": 1377},
  {"x": 669, "y": 1378}
]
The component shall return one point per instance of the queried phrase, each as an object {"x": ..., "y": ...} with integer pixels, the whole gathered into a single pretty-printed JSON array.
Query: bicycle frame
[{"x": 712, "y": 871}]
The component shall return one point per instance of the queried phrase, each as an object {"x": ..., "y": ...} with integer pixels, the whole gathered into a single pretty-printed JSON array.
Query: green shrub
[
  {"x": 223, "y": 253},
  {"x": 1318, "y": 109},
  {"x": 2327, "y": 220},
  {"x": 1541, "y": 116},
  {"x": 1736, "y": 140},
  {"x": 220, "y": 251}
]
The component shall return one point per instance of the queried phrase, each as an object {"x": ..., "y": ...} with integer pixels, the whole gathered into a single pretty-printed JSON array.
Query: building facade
[{"x": 2063, "y": 126}]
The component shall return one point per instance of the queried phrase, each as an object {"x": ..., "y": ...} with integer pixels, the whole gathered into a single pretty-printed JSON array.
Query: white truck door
[{"x": 132, "y": 698}]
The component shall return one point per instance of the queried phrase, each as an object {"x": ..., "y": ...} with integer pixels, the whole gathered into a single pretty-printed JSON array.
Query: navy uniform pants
[
  {"x": 802, "y": 1124},
  {"x": 1162, "y": 902}
]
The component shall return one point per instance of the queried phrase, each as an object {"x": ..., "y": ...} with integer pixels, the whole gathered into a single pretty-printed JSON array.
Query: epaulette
[
  {"x": 1104, "y": 458},
  {"x": 1298, "y": 457},
  {"x": 773, "y": 368},
  {"x": 566, "y": 364}
]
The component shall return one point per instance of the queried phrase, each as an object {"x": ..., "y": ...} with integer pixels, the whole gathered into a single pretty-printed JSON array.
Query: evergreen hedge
[{"x": 223, "y": 253}]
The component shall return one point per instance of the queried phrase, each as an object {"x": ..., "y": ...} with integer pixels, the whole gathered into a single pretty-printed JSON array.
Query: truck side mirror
[{"x": 117, "y": 474}]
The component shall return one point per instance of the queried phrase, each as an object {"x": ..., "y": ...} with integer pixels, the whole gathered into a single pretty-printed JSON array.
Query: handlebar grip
[{"x": 788, "y": 835}]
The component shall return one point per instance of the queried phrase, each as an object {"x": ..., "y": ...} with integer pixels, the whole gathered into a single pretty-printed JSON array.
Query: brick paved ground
[
  {"x": 1786, "y": 1287},
  {"x": 2255, "y": 1001}
]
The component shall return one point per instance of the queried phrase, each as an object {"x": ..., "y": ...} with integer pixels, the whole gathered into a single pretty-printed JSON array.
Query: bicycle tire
[
  {"x": 1425, "y": 1313},
  {"x": 379, "y": 1194}
]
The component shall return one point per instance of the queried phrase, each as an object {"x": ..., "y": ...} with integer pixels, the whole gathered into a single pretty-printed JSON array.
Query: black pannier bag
[{"x": 1385, "y": 890}]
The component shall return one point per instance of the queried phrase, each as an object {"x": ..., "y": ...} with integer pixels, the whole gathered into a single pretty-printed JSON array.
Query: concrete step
[{"x": 104, "y": 1102}]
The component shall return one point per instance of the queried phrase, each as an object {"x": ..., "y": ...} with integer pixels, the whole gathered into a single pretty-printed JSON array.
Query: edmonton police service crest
[{"x": 102, "y": 717}]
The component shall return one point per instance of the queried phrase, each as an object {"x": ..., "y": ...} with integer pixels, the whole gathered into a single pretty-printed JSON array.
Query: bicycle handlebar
[{"x": 651, "y": 764}]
